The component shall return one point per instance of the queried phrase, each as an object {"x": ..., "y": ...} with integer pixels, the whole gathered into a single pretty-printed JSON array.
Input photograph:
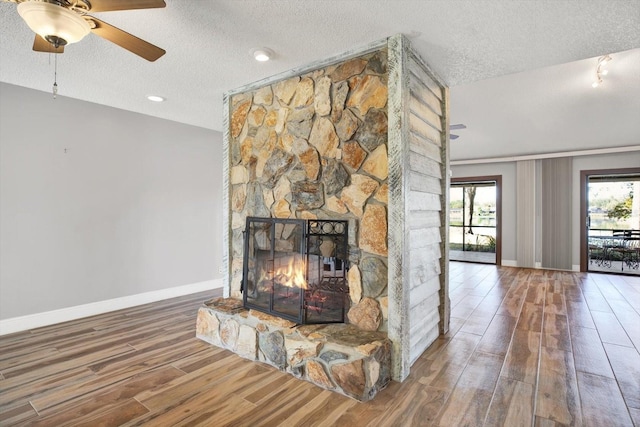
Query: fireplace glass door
[{"x": 296, "y": 269}]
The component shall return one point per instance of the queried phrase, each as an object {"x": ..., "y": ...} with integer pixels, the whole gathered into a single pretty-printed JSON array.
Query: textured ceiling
[{"x": 502, "y": 59}]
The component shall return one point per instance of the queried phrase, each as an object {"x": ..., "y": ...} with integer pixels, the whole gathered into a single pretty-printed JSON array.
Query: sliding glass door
[
  {"x": 474, "y": 213},
  {"x": 611, "y": 236}
]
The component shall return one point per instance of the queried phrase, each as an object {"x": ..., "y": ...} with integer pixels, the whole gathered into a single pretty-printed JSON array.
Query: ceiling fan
[
  {"x": 61, "y": 22},
  {"x": 456, "y": 127}
]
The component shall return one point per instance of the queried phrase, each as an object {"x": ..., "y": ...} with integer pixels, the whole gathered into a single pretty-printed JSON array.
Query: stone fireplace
[{"x": 360, "y": 139}]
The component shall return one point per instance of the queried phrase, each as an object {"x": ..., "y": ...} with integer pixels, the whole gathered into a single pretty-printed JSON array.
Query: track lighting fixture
[{"x": 600, "y": 70}]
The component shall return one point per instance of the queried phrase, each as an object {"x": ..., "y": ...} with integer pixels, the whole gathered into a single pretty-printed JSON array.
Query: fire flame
[{"x": 290, "y": 275}]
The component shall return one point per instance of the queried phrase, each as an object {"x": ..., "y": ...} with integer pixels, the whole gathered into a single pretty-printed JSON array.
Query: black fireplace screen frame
[{"x": 323, "y": 247}]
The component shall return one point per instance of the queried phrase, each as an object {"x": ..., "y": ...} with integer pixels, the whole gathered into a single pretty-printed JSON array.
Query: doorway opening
[
  {"x": 610, "y": 232},
  {"x": 474, "y": 219}
]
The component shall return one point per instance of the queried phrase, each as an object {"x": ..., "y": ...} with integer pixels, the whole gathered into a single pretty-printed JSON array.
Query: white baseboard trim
[
  {"x": 31, "y": 321},
  {"x": 575, "y": 267},
  {"x": 509, "y": 263}
]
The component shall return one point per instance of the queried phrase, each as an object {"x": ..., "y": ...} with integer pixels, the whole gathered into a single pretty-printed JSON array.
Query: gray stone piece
[
  {"x": 301, "y": 129},
  {"x": 236, "y": 157},
  {"x": 348, "y": 124},
  {"x": 237, "y": 242},
  {"x": 272, "y": 346},
  {"x": 377, "y": 63},
  {"x": 307, "y": 195},
  {"x": 331, "y": 355},
  {"x": 373, "y": 131},
  {"x": 334, "y": 176},
  {"x": 277, "y": 164},
  {"x": 339, "y": 94},
  {"x": 255, "y": 201},
  {"x": 374, "y": 276}
]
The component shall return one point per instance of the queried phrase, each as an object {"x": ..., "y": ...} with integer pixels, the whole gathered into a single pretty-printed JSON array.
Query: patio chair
[{"x": 631, "y": 251}]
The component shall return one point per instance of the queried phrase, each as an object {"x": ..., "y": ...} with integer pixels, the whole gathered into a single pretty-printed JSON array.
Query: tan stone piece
[
  {"x": 256, "y": 116},
  {"x": 271, "y": 320},
  {"x": 239, "y": 175},
  {"x": 247, "y": 343},
  {"x": 311, "y": 163},
  {"x": 308, "y": 215},
  {"x": 350, "y": 377},
  {"x": 246, "y": 149},
  {"x": 317, "y": 375},
  {"x": 298, "y": 350},
  {"x": 238, "y": 197},
  {"x": 355, "y": 284},
  {"x": 377, "y": 163},
  {"x": 382, "y": 195},
  {"x": 207, "y": 325},
  {"x": 304, "y": 93},
  {"x": 366, "y": 315},
  {"x": 353, "y": 155},
  {"x": 271, "y": 118},
  {"x": 323, "y": 136},
  {"x": 373, "y": 230},
  {"x": 285, "y": 89},
  {"x": 384, "y": 306},
  {"x": 327, "y": 248},
  {"x": 282, "y": 189},
  {"x": 229, "y": 333},
  {"x": 238, "y": 118},
  {"x": 336, "y": 205},
  {"x": 322, "y": 98},
  {"x": 282, "y": 119},
  {"x": 348, "y": 69},
  {"x": 267, "y": 194},
  {"x": 238, "y": 220},
  {"x": 286, "y": 142},
  {"x": 282, "y": 209},
  {"x": 369, "y": 348},
  {"x": 373, "y": 369},
  {"x": 355, "y": 195},
  {"x": 369, "y": 92},
  {"x": 263, "y": 96}
]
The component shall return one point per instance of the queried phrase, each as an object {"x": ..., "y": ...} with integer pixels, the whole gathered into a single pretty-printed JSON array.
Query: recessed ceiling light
[
  {"x": 155, "y": 98},
  {"x": 263, "y": 54}
]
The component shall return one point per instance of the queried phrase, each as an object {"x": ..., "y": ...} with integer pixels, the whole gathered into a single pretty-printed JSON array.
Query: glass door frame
[
  {"x": 482, "y": 179},
  {"x": 584, "y": 208}
]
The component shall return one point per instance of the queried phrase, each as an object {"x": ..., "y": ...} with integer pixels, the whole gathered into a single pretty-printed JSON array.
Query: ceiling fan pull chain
[{"x": 55, "y": 76}]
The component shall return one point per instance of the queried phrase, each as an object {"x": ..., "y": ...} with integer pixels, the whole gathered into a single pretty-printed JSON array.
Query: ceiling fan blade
[
  {"x": 109, "y": 5},
  {"x": 41, "y": 45},
  {"x": 128, "y": 41},
  {"x": 457, "y": 127},
  {"x": 452, "y": 136}
]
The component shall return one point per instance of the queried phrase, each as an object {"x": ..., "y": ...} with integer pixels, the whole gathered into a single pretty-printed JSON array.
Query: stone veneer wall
[
  {"x": 380, "y": 105},
  {"x": 315, "y": 146}
]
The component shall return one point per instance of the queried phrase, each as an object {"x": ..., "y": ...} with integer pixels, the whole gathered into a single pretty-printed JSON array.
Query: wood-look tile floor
[{"x": 526, "y": 347}]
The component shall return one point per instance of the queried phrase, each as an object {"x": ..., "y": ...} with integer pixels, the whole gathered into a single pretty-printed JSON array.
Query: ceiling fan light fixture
[
  {"x": 263, "y": 54},
  {"x": 54, "y": 23}
]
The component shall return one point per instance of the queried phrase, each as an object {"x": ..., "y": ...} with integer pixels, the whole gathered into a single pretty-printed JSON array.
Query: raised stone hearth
[{"x": 337, "y": 357}]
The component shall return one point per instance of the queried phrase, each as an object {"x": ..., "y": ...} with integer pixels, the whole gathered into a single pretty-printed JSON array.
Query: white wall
[
  {"x": 508, "y": 172},
  {"x": 98, "y": 203}
]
